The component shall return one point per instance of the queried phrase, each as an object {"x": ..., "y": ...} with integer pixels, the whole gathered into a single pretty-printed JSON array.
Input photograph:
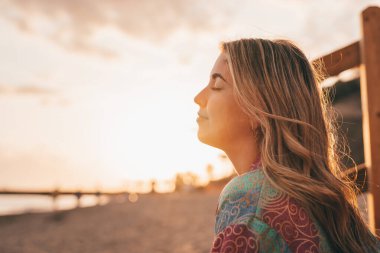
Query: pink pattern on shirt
[
  {"x": 292, "y": 222},
  {"x": 237, "y": 238}
]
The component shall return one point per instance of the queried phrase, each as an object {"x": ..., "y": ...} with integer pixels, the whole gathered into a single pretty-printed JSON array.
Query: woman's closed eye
[
  {"x": 216, "y": 86},
  {"x": 217, "y": 80}
]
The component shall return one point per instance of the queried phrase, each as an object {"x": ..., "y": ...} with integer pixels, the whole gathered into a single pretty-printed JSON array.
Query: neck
[{"x": 243, "y": 156}]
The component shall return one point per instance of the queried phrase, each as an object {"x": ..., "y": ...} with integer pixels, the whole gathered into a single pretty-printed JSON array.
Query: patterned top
[{"x": 252, "y": 216}]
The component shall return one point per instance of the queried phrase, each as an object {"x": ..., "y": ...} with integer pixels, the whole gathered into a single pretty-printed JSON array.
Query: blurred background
[{"x": 98, "y": 95}]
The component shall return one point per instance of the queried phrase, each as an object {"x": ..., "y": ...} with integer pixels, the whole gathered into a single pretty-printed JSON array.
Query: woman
[{"x": 265, "y": 109}]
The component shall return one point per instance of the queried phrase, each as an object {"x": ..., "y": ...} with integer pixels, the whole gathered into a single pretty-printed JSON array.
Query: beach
[{"x": 172, "y": 222}]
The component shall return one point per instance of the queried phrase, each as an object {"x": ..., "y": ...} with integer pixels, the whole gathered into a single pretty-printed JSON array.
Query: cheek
[
  {"x": 239, "y": 122},
  {"x": 228, "y": 117},
  {"x": 219, "y": 111}
]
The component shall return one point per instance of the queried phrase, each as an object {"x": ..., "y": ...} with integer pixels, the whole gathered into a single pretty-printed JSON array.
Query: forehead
[{"x": 220, "y": 65}]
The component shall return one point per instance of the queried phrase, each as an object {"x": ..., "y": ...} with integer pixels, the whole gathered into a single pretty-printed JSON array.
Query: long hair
[{"x": 277, "y": 87}]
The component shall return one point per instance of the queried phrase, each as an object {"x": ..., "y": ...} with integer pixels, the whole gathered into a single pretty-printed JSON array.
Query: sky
[{"x": 100, "y": 93}]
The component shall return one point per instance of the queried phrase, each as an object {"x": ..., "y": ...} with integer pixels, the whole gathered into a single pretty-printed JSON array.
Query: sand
[{"x": 176, "y": 222}]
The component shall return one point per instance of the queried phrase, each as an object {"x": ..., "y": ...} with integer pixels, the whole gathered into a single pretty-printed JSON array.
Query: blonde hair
[{"x": 277, "y": 87}]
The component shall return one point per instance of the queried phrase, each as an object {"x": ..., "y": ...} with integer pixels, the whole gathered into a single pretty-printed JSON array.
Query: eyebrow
[{"x": 215, "y": 75}]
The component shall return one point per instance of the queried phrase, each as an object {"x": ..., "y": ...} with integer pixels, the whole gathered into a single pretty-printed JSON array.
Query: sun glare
[{"x": 146, "y": 138}]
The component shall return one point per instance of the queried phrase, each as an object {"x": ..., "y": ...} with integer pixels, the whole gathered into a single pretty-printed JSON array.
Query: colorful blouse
[{"x": 252, "y": 216}]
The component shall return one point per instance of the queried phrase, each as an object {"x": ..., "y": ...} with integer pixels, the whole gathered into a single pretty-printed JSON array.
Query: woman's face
[{"x": 221, "y": 121}]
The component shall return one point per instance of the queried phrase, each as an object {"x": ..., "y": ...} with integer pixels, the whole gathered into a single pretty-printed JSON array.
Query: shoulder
[
  {"x": 291, "y": 221},
  {"x": 252, "y": 236},
  {"x": 250, "y": 205},
  {"x": 239, "y": 198}
]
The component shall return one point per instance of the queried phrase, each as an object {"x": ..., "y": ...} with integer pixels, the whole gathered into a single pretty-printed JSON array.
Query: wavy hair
[{"x": 278, "y": 88}]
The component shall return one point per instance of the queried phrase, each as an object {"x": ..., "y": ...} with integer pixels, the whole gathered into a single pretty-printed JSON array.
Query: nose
[{"x": 200, "y": 99}]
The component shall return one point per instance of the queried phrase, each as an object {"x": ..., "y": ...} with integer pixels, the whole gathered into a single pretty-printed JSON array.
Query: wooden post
[
  {"x": 54, "y": 196},
  {"x": 370, "y": 98},
  {"x": 78, "y": 195}
]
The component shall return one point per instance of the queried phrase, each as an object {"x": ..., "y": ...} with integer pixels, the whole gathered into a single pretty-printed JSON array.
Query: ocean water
[{"x": 17, "y": 204}]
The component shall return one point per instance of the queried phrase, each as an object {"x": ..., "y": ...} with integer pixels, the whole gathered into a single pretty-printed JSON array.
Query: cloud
[
  {"x": 32, "y": 90},
  {"x": 72, "y": 24},
  {"x": 47, "y": 97},
  {"x": 25, "y": 90}
]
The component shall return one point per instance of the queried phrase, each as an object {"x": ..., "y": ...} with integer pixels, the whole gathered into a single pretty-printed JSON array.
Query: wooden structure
[
  {"x": 366, "y": 55},
  {"x": 55, "y": 194}
]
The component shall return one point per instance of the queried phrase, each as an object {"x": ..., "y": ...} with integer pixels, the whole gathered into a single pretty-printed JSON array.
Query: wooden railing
[
  {"x": 340, "y": 60},
  {"x": 366, "y": 54}
]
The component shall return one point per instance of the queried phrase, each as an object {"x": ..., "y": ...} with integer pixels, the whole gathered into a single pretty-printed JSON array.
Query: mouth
[
  {"x": 200, "y": 119},
  {"x": 201, "y": 116}
]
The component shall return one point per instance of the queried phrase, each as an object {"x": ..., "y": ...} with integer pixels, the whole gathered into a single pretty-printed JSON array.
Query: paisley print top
[{"x": 252, "y": 216}]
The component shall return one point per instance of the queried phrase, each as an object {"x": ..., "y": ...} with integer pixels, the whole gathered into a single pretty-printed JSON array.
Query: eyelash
[{"x": 214, "y": 88}]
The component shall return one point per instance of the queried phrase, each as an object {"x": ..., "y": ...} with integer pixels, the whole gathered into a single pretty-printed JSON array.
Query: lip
[
  {"x": 201, "y": 116},
  {"x": 199, "y": 119}
]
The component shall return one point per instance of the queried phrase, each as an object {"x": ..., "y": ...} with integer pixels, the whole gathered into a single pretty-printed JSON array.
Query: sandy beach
[{"x": 175, "y": 222}]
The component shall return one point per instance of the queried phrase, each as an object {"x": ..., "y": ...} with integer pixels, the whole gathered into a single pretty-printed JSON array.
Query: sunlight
[{"x": 146, "y": 137}]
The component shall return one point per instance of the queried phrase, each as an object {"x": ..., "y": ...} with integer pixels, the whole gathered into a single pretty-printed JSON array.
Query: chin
[
  {"x": 208, "y": 141},
  {"x": 202, "y": 138}
]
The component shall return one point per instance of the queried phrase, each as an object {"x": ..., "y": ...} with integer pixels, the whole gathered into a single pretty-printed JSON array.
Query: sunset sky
[{"x": 100, "y": 92}]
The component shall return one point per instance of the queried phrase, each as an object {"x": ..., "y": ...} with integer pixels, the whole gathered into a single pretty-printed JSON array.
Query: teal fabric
[{"x": 265, "y": 216}]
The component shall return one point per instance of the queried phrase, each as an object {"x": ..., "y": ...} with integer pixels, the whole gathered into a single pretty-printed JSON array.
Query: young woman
[{"x": 264, "y": 107}]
